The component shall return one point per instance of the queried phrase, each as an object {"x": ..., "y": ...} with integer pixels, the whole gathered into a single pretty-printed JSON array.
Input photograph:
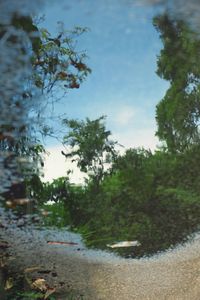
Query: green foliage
[
  {"x": 30, "y": 296},
  {"x": 56, "y": 191},
  {"x": 178, "y": 113},
  {"x": 91, "y": 146},
  {"x": 57, "y": 215},
  {"x": 152, "y": 198},
  {"x": 64, "y": 201},
  {"x": 54, "y": 59},
  {"x": 55, "y": 62}
]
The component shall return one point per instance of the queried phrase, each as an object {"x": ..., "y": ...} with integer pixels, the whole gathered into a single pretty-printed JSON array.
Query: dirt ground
[{"x": 99, "y": 275}]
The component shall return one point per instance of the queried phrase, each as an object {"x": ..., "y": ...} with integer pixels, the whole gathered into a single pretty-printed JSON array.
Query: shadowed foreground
[{"x": 99, "y": 275}]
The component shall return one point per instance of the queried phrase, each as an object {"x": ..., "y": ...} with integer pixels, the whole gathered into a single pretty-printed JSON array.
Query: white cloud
[
  {"x": 57, "y": 166},
  {"x": 138, "y": 138},
  {"x": 125, "y": 115}
]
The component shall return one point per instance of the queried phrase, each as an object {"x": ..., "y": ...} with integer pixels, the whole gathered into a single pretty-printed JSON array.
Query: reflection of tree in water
[
  {"x": 148, "y": 197},
  {"x": 33, "y": 64}
]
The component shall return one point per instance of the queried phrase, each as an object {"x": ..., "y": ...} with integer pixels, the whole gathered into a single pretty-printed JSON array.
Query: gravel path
[{"x": 99, "y": 275}]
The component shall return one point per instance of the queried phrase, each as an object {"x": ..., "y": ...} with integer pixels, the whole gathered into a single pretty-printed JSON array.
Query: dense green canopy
[{"x": 178, "y": 113}]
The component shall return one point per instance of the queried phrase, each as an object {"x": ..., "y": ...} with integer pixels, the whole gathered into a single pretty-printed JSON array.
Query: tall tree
[
  {"x": 178, "y": 113},
  {"x": 90, "y": 146}
]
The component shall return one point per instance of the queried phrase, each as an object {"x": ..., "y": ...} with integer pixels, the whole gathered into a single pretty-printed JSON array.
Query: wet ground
[{"x": 98, "y": 275}]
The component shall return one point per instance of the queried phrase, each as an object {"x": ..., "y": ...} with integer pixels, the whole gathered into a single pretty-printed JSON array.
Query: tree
[
  {"x": 55, "y": 63},
  {"x": 33, "y": 63},
  {"x": 90, "y": 146},
  {"x": 178, "y": 113}
]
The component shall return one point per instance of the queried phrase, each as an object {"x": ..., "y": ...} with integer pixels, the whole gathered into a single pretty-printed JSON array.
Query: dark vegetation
[{"x": 148, "y": 197}]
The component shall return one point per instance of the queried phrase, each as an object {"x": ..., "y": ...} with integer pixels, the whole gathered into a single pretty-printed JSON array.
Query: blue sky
[{"x": 122, "y": 46}]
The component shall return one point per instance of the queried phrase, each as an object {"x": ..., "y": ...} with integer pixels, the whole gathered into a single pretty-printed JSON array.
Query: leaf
[
  {"x": 22, "y": 201},
  {"x": 40, "y": 284},
  {"x": 125, "y": 244},
  {"x": 45, "y": 213},
  {"x": 9, "y": 283},
  {"x": 15, "y": 202}
]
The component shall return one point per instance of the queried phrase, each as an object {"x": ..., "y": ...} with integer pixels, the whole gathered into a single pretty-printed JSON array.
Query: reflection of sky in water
[
  {"x": 122, "y": 46},
  {"x": 123, "y": 85}
]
